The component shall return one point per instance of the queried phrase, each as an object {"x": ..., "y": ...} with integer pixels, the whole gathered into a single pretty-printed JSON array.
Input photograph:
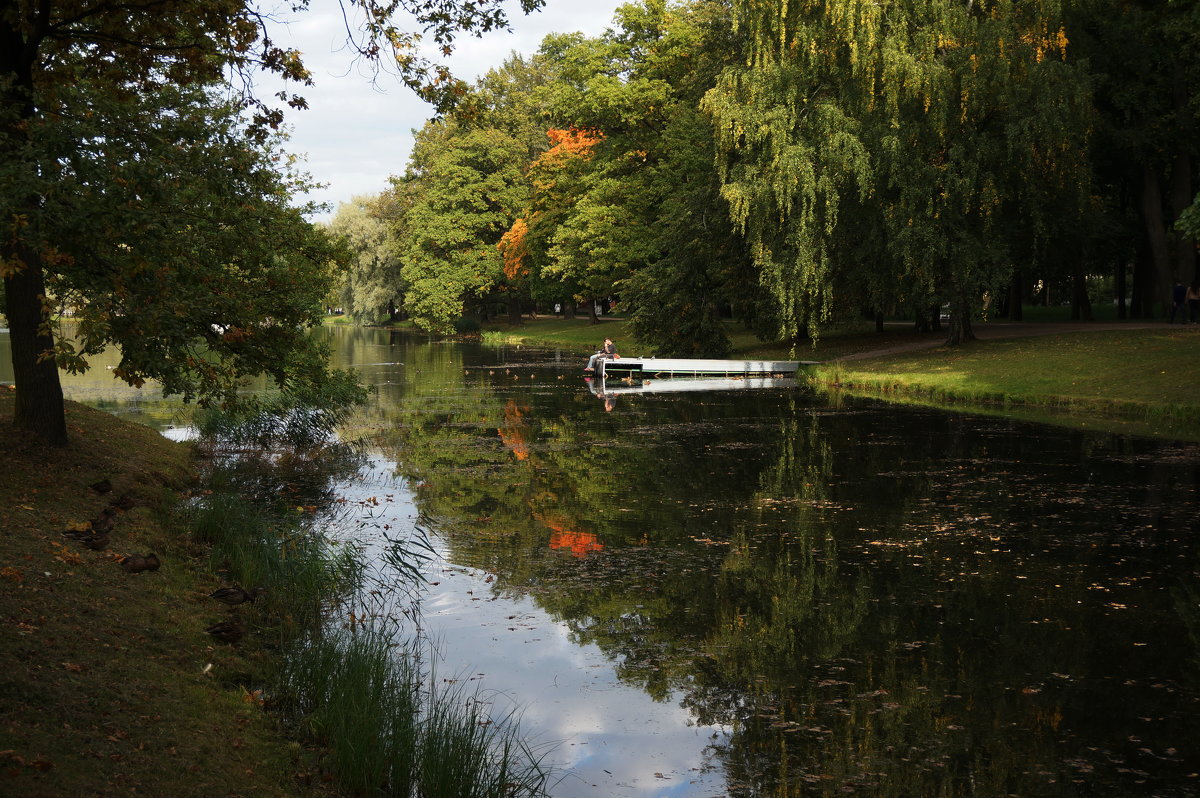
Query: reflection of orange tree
[
  {"x": 513, "y": 431},
  {"x": 580, "y": 543}
]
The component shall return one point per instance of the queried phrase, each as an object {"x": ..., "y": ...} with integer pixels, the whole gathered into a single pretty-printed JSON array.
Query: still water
[{"x": 766, "y": 593}]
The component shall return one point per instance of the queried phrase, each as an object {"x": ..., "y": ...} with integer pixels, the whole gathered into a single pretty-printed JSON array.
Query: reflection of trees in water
[
  {"x": 979, "y": 659},
  {"x": 902, "y": 603}
]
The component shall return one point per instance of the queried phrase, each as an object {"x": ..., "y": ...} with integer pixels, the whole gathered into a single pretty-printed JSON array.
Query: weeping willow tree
[{"x": 905, "y": 150}]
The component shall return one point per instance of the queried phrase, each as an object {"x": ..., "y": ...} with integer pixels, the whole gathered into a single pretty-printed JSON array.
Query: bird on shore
[
  {"x": 229, "y": 631},
  {"x": 95, "y": 542},
  {"x": 103, "y": 486},
  {"x": 102, "y": 524},
  {"x": 136, "y": 563},
  {"x": 124, "y": 502},
  {"x": 236, "y": 595}
]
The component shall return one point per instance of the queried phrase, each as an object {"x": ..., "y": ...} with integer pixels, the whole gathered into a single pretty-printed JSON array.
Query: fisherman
[{"x": 607, "y": 352}]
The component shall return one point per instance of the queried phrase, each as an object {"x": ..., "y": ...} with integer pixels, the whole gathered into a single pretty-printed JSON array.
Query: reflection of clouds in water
[{"x": 604, "y": 737}]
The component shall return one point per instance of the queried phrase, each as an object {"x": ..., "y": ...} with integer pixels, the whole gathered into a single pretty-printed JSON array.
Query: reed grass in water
[
  {"x": 390, "y": 728},
  {"x": 395, "y": 730}
]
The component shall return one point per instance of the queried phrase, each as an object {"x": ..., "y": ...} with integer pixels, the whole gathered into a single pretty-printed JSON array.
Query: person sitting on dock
[{"x": 607, "y": 352}]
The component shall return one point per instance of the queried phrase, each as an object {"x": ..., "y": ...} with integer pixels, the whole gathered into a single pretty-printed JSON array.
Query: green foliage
[
  {"x": 945, "y": 134},
  {"x": 132, "y": 192},
  {"x": 1188, "y": 222},
  {"x": 466, "y": 325},
  {"x": 466, "y": 190},
  {"x": 168, "y": 233},
  {"x": 371, "y": 284},
  {"x": 803, "y": 166}
]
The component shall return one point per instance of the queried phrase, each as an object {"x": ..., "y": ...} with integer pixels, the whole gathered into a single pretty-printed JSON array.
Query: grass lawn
[
  {"x": 577, "y": 334},
  {"x": 1149, "y": 374},
  {"x": 108, "y": 682}
]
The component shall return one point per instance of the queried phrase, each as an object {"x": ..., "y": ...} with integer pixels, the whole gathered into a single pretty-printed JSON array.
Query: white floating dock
[
  {"x": 687, "y": 367},
  {"x": 617, "y": 386}
]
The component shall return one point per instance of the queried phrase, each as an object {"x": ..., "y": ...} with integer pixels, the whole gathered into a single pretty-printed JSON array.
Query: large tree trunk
[
  {"x": 39, "y": 399},
  {"x": 1158, "y": 279},
  {"x": 569, "y": 310},
  {"x": 593, "y": 318},
  {"x": 960, "y": 323},
  {"x": 514, "y": 310},
  {"x": 1016, "y": 297},
  {"x": 39, "y": 396},
  {"x": 1081, "y": 305},
  {"x": 1183, "y": 191},
  {"x": 960, "y": 329}
]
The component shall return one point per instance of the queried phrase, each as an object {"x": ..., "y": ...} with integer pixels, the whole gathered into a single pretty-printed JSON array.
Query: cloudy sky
[{"x": 354, "y": 134}]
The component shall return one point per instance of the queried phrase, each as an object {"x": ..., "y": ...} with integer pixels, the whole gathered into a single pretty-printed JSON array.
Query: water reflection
[
  {"x": 755, "y": 593},
  {"x": 860, "y": 598}
]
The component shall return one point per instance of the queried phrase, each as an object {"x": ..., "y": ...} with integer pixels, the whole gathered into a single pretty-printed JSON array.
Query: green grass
[
  {"x": 108, "y": 682},
  {"x": 577, "y": 334},
  {"x": 1145, "y": 374},
  {"x": 1142, "y": 381},
  {"x": 581, "y": 336},
  {"x": 1106, "y": 312}
]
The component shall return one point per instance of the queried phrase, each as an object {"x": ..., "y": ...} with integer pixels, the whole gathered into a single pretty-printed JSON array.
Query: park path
[{"x": 1002, "y": 329}]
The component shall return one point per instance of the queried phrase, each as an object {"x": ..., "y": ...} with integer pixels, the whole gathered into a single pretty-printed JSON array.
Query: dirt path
[{"x": 1003, "y": 329}]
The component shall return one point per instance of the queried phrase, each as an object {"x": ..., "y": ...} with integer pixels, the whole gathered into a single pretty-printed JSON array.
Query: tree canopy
[
  {"x": 794, "y": 166},
  {"x": 146, "y": 195}
]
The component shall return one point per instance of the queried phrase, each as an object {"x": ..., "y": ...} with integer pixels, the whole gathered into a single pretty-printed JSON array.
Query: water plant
[
  {"x": 394, "y": 729},
  {"x": 357, "y": 688}
]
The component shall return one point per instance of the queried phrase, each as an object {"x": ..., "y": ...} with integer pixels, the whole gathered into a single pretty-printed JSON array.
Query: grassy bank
[
  {"x": 349, "y": 674},
  {"x": 108, "y": 682},
  {"x": 581, "y": 336},
  {"x": 1148, "y": 376},
  {"x": 112, "y": 683}
]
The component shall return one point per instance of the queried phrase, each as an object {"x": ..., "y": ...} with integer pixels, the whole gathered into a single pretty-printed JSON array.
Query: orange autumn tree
[
  {"x": 513, "y": 250},
  {"x": 555, "y": 177}
]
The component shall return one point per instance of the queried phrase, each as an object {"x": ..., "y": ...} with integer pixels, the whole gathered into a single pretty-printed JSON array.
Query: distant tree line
[{"x": 788, "y": 165}]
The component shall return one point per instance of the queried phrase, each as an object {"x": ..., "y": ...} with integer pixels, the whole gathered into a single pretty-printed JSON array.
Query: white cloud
[{"x": 355, "y": 134}]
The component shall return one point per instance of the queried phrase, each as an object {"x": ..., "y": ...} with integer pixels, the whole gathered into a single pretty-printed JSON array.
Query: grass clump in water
[
  {"x": 389, "y": 728},
  {"x": 394, "y": 730}
]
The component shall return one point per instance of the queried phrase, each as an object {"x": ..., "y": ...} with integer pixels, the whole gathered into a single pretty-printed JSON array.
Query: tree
[
  {"x": 554, "y": 178},
  {"x": 220, "y": 277},
  {"x": 372, "y": 284},
  {"x": 1144, "y": 60},
  {"x": 910, "y": 127},
  {"x": 466, "y": 189},
  {"x": 69, "y": 71},
  {"x": 641, "y": 216}
]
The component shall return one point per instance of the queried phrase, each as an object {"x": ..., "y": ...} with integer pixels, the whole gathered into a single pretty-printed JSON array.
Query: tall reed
[
  {"x": 390, "y": 727},
  {"x": 362, "y": 695}
]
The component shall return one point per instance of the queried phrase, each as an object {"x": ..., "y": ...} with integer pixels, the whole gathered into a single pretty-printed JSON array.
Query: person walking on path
[
  {"x": 1193, "y": 301},
  {"x": 1179, "y": 303},
  {"x": 607, "y": 352}
]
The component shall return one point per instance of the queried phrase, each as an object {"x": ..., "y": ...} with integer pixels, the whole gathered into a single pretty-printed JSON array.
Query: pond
[{"x": 769, "y": 592}]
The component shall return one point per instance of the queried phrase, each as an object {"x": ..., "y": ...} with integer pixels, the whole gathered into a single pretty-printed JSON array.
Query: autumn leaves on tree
[{"x": 790, "y": 166}]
